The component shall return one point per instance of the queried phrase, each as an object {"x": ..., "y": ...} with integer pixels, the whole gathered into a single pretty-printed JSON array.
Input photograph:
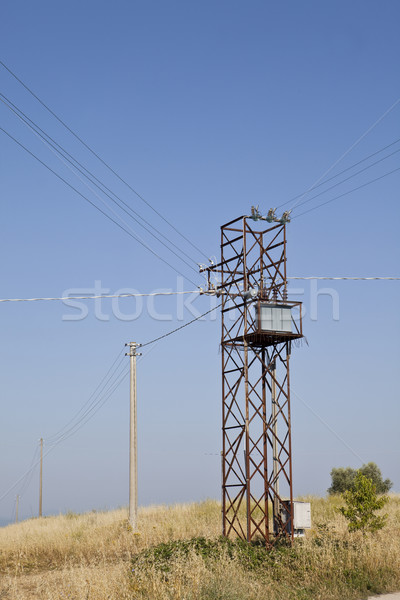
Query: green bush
[
  {"x": 251, "y": 556},
  {"x": 362, "y": 503}
]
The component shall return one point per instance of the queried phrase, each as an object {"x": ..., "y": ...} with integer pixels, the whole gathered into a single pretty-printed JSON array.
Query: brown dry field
[{"x": 89, "y": 557}]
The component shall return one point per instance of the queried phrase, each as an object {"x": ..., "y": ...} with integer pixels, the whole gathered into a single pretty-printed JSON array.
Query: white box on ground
[{"x": 301, "y": 515}]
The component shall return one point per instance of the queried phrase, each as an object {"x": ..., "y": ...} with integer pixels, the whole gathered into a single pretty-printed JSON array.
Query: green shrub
[
  {"x": 362, "y": 503},
  {"x": 251, "y": 556}
]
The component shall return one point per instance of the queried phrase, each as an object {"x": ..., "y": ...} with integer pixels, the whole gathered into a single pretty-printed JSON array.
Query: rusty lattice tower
[{"x": 258, "y": 327}]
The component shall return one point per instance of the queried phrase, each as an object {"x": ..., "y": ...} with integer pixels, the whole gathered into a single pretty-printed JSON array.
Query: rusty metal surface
[{"x": 254, "y": 362}]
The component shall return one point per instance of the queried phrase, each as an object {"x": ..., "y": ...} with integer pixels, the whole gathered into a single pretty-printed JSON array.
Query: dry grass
[{"x": 89, "y": 557}]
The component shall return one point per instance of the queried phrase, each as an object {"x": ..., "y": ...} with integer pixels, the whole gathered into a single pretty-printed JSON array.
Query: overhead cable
[
  {"x": 102, "y": 160},
  {"x": 100, "y": 401},
  {"x": 94, "y": 409},
  {"x": 53, "y": 446},
  {"x": 100, "y": 387},
  {"x": 338, "y": 174},
  {"x": 94, "y": 297},
  {"x": 350, "y": 278},
  {"x": 130, "y": 233},
  {"x": 66, "y": 156},
  {"x": 69, "y": 164},
  {"x": 346, "y": 193},
  {"x": 25, "y": 483},
  {"x": 14, "y": 485},
  {"x": 389, "y": 110},
  {"x": 108, "y": 388},
  {"x": 138, "y": 295},
  {"x": 337, "y": 436},
  {"x": 179, "y": 328},
  {"x": 347, "y": 178}
]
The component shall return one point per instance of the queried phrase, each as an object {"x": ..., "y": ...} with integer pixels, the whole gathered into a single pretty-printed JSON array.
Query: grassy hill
[{"x": 177, "y": 554}]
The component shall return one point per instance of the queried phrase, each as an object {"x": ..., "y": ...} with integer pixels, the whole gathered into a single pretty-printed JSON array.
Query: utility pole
[
  {"x": 133, "y": 437},
  {"x": 16, "y": 509},
  {"x": 41, "y": 478}
]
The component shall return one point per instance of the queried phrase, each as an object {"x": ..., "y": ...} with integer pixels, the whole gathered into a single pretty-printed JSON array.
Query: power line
[
  {"x": 65, "y": 160},
  {"x": 102, "y": 160},
  {"x": 147, "y": 295},
  {"x": 145, "y": 201},
  {"x": 347, "y": 178},
  {"x": 28, "y": 478},
  {"x": 98, "y": 402},
  {"x": 102, "y": 396},
  {"x": 389, "y": 110},
  {"x": 57, "y": 435},
  {"x": 100, "y": 296},
  {"x": 328, "y": 426},
  {"x": 96, "y": 407},
  {"x": 52, "y": 447},
  {"x": 321, "y": 420},
  {"x": 346, "y": 193},
  {"x": 179, "y": 328},
  {"x": 92, "y": 411},
  {"x": 338, "y": 174},
  {"x": 131, "y": 234},
  {"x": 350, "y": 278},
  {"x": 61, "y": 151},
  {"x": 11, "y": 488},
  {"x": 13, "y": 512},
  {"x": 89, "y": 413}
]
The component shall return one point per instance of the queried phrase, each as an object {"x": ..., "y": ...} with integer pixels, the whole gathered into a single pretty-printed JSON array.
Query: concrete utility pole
[
  {"x": 41, "y": 478},
  {"x": 133, "y": 437},
  {"x": 16, "y": 509}
]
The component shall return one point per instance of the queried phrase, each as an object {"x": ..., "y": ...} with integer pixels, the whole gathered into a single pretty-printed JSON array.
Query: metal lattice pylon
[{"x": 256, "y": 446}]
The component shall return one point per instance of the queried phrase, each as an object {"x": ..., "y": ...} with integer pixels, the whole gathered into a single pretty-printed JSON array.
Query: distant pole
[
  {"x": 133, "y": 438},
  {"x": 41, "y": 478},
  {"x": 16, "y": 509}
]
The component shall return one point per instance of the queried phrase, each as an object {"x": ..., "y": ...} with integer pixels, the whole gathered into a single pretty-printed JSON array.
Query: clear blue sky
[{"x": 205, "y": 108}]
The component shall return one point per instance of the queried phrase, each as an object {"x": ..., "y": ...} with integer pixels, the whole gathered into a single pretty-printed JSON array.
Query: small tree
[{"x": 362, "y": 503}]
